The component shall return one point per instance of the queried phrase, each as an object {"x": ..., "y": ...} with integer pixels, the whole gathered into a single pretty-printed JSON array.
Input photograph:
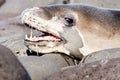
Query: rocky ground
[
  {"x": 12, "y": 36},
  {"x": 98, "y": 70},
  {"x": 115, "y": 4}
]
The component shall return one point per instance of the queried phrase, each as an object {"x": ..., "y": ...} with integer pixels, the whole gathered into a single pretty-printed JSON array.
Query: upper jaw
[
  {"x": 51, "y": 34},
  {"x": 40, "y": 24}
]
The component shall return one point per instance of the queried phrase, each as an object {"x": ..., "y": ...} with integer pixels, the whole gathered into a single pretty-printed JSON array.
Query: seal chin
[{"x": 45, "y": 49}]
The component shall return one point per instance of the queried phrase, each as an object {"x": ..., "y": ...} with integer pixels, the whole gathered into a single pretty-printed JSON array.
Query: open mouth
[{"x": 44, "y": 39}]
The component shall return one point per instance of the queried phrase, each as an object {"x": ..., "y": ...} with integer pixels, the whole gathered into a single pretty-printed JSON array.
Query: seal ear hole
[{"x": 69, "y": 21}]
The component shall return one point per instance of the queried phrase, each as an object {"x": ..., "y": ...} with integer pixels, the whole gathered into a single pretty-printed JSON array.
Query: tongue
[{"x": 48, "y": 38}]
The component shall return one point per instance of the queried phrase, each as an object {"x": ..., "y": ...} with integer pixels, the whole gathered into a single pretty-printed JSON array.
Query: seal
[
  {"x": 72, "y": 27},
  {"x": 10, "y": 67}
]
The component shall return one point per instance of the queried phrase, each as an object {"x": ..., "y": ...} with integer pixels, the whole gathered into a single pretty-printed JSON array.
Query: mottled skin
[{"x": 99, "y": 28}]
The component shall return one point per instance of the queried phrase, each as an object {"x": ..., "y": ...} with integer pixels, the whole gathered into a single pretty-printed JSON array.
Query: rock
[
  {"x": 20, "y": 5},
  {"x": 101, "y": 55},
  {"x": 2, "y": 2},
  {"x": 101, "y": 3},
  {"x": 10, "y": 67},
  {"x": 99, "y": 70},
  {"x": 12, "y": 34},
  {"x": 41, "y": 67}
]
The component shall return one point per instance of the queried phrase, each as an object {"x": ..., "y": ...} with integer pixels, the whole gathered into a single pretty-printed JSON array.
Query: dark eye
[{"x": 69, "y": 21}]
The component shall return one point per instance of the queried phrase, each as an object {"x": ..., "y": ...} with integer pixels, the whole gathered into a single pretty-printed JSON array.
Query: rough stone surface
[
  {"x": 101, "y": 3},
  {"x": 101, "y": 55},
  {"x": 10, "y": 67},
  {"x": 99, "y": 70}
]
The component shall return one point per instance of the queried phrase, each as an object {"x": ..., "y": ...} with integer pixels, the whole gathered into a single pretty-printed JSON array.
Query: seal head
[{"x": 54, "y": 30}]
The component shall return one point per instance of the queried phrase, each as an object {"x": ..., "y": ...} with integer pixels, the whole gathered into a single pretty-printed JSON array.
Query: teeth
[
  {"x": 47, "y": 38},
  {"x": 34, "y": 38},
  {"x": 26, "y": 37},
  {"x": 31, "y": 38}
]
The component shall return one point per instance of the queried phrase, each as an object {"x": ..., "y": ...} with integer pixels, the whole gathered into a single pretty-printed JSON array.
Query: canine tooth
[{"x": 26, "y": 37}]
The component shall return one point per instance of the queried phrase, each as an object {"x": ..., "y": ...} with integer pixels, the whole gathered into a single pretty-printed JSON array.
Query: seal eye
[{"x": 69, "y": 21}]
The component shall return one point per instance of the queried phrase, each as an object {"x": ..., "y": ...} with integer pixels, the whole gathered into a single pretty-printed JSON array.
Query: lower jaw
[
  {"x": 47, "y": 50},
  {"x": 37, "y": 47}
]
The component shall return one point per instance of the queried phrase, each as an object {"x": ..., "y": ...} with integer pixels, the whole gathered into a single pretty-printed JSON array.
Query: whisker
[
  {"x": 31, "y": 33},
  {"x": 36, "y": 46}
]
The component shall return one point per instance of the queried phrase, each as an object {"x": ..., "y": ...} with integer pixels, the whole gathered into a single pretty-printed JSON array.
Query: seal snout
[{"x": 28, "y": 12}]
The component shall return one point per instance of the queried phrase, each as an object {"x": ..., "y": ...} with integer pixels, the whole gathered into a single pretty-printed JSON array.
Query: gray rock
[
  {"x": 101, "y": 55},
  {"x": 99, "y": 70},
  {"x": 101, "y": 3},
  {"x": 12, "y": 34},
  {"x": 17, "y": 6},
  {"x": 2, "y": 2},
  {"x": 41, "y": 67},
  {"x": 10, "y": 67}
]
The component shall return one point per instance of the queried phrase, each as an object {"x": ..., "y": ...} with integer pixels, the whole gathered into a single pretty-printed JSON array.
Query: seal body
[{"x": 72, "y": 27}]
